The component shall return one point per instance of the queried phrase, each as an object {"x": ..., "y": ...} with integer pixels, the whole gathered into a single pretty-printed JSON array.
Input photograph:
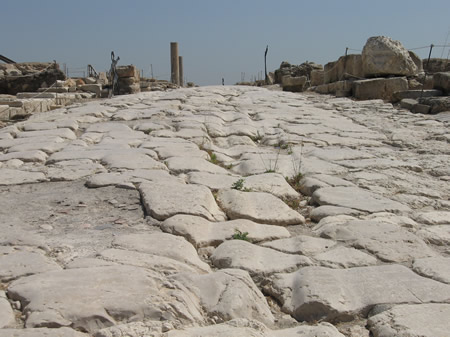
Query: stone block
[
  {"x": 415, "y": 94},
  {"x": 437, "y": 104},
  {"x": 127, "y": 71},
  {"x": 379, "y": 88},
  {"x": 441, "y": 81},
  {"x": 294, "y": 84},
  {"x": 408, "y": 103},
  {"x": 317, "y": 77},
  {"x": 345, "y": 67},
  {"x": 421, "y": 109},
  {"x": 95, "y": 88}
]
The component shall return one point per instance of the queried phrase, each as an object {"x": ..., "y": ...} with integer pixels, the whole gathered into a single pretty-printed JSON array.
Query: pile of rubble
[{"x": 384, "y": 70}]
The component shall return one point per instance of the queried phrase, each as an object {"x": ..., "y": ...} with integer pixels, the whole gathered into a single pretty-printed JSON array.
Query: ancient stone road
[{"x": 225, "y": 211}]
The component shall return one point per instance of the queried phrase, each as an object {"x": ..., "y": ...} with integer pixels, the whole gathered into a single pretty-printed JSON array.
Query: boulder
[
  {"x": 293, "y": 84},
  {"x": 382, "y": 56},
  {"x": 441, "y": 81},
  {"x": 437, "y": 104},
  {"x": 436, "y": 65},
  {"x": 317, "y": 77},
  {"x": 379, "y": 88}
]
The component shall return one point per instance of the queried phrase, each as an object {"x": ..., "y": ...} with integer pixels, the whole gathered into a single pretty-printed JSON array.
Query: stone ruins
[{"x": 230, "y": 210}]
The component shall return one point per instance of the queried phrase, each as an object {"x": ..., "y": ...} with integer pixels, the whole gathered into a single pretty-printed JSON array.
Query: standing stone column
[
  {"x": 180, "y": 65},
  {"x": 175, "y": 69}
]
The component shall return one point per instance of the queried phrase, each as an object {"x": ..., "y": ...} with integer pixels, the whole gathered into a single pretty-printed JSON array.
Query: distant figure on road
[{"x": 223, "y": 81}]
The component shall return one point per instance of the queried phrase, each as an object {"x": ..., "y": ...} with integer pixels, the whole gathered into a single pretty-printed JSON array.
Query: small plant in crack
[
  {"x": 239, "y": 185},
  {"x": 213, "y": 158},
  {"x": 257, "y": 138},
  {"x": 148, "y": 131},
  {"x": 238, "y": 235},
  {"x": 292, "y": 202},
  {"x": 294, "y": 181}
]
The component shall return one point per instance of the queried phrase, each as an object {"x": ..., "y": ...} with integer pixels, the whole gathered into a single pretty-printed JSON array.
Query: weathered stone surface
[
  {"x": 321, "y": 212},
  {"x": 343, "y": 257},
  {"x": 165, "y": 200},
  {"x": 383, "y": 238},
  {"x": 25, "y": 156},
  {"x": 356, "y": 198},
  {"x": 434, "y": 218},
  {"x": 346, "y": 67},
  {"x": 13, "y": 177},
  {"x": 255, "y": 206},
  {"x": 162, "y": 244},
  {"x": 183, "y": 165},
  {"x": 247, "y": 328},
  {"x": 17, "y": 263},
  {"x": 301, "y": 244},
  {"x": 42, "y": 332},
  {"x": 415, "y": 320},
  {"x": 437, "y": 235},
  {"x": 264, "y": 261},
  {"x": 132, "y": 161},
  {"x": 89, "y": 298},
  {"x": 129, "y": 178},
  {"x": 273, "y": 183},
  {"x": 6, "y": 313},
  {"x": 212, "y": 180},
  {"x": 379, "y": 88},
  {"x": 436, "y": 268},
  {"x": 228, "y": 293},
  {"x": 383, "y": 56},
  {"x": 318, "y": 293},
  {"x": 201, "y": 232},
  {"x": 73, "y": 169}
]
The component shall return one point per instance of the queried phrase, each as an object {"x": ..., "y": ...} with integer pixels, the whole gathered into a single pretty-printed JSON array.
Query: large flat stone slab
[
  {"x": 42, "y": 332},
  {"x": 162, "y": 244},
  {"x": 259, "y": 207},
  {"x": 255, "y": 259},
  {"x": 165, "y": 200},
  {"x": 415, "y": 320},
  {"x": 201, "y": 232},
  {"x": 89, "y": 298},
  {"x": 16, "y": 263},
  {"x": 301, "y": 244},
  {"x": 436, "y": 268},
  {"x": 356, "y": 198},
  {"x": 228, "y": 293},
  {"x": 385, "y": 239},
  {"x": 15, "y": 177},
  {"x": 192, "y": 164},
  {"x": 318, "y": 293}
]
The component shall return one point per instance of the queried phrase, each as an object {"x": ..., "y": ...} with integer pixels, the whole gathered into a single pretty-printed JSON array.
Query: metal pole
[
  {"x": 266, "y": 78},
  {"x": 425, "y": 70}
]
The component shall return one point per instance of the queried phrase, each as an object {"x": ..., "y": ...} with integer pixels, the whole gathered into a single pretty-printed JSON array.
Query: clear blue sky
[{"x": 217, "y": 38}]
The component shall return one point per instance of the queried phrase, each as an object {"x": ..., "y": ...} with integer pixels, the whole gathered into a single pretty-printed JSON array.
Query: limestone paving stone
[
  {"x": 201, "y": 232},
  {"x": 321, "y": 212},
  {"x": 17, "y": 263},
  {"x": 25, "y": 156},
  {"x": 411, "y": 320},
  {"x": 263, "y": 261},
  {"x": 259, "y": 207},
  {"x": 301, "y": 244},
  {"x": 228, "y": 293},
  {"x": 343, "y": 257},
  {"x": 212, "y": 180},
  {"x": 131, "y": 161},
  {"x": 90, "y": 298},
  {"x": 6, "y": 312},
  {"x": 165, "y": 200},
  {"x": 272, "y": 183},
  {"x": 188, "y": 164},
  {"x": 162, "y": 244},
  {"x": 65, "y": 133},
  {"x": 42, "y": 332},
  {"x": 318, "y": 293},
  {"x": 434, "y": 218},
  {"x": 13, "y": 177},
  {"x": 131, "y": 177},
  {"x": 73, "y": 169},
  {"x": 436, "y": 268},
  {"x": 356, "y": 198},
  {"x": 437, "y": 235},
  {"x": 386, "y": 240}
]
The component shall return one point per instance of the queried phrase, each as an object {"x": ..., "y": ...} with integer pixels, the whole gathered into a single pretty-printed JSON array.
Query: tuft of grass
[
  {"x": 147, "y": 132},
  {"x": 238, "y": 235},
  {"x": 239, "y": 185},
  {"x": 294, "y": 181},
  {"x": 213, "y": 158}
]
